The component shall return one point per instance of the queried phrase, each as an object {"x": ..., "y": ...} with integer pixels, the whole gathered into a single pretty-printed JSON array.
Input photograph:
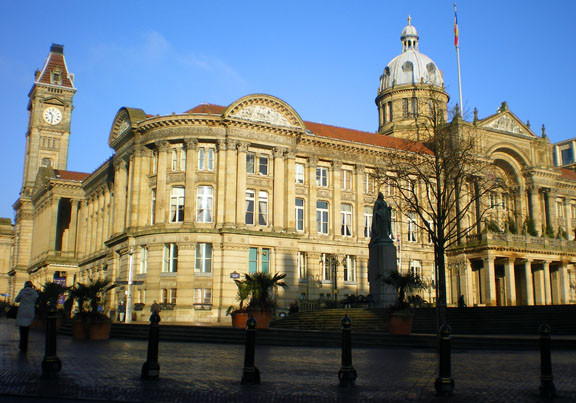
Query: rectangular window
[
  {"x": 250, "y": 163},
  {"x": 322, "y": 177},
  {"x": 405, "y": 111},
  {"x": 174, "y": 159},
  {"x": 350, "y": 268},
  {"x": 412, "y": 230},
  {"x": 203, "y": 296},
  {"x": 262, "y": 208},
  {"x": 329, "y": 265},
  {"x": 346, "y": 179},
  {"x": 154, "y": 162},
  {"x": 369, "y": 183},
  {"x": 204, "y": 203},
  {"x": 250, "y": 204},
  {"x": 367, "y": 221},
  {"x": 299, "y": 214},
  {"x": 346, "y": 215},
  {"x": 259, "y": 260},
  {"x": 416, "y": 268},
  {"x": 567, "y": 156},
  {"x": 302, "y": 261},
  {"x": 560, "y": 209},
  {"x": 322, "y": 217},
  {"x": 183, "y": 159},
  {"x": 300, "y": 173},
  {"x": 177, "y": 204},
  {"x": 170, "y": 258},
  {"x": 263, "y": 165},
  {"x": 414, "y": 107},
  {"x": 205, "y": 159},
  {"x": 432, "y": 227},
  {"x": 143, "y": 259},
  {"x": 173, "y": 296},
  {"x": 203, "y": 258},
  {"x": 153, "y": 207}
]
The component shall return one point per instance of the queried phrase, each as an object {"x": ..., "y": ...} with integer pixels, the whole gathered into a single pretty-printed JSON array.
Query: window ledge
[
  {"x": 203, "y": 307},
  {"x": 350, "y": 283},
  {"x": 168, "y": 274},
  {"x": 202, "y": 274},
  {"x": 326, "y": 281},
  {"x": 303, "y": 280}
]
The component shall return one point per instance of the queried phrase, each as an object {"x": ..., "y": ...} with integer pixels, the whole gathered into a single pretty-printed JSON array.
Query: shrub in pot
[{"x": 401, "y": 314}]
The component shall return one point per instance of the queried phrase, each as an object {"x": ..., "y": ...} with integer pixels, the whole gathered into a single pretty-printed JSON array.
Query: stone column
[
  {"x": 359, "y": 205},
  {"x": 136, "y": 185},
  {"x": 336, "y": 200},
  {"x": 536, "y": 211},
  {"x": 568, "y": 222},
  {"x": 547, "y": 288},
  {"x": 107, "y": 213},
  {"x": 220, "y": 191},
  {"x": 90, "y": 227},
  {"x": 290, "y": 191},
  {"x": 241, "y": 185},
  {"x": 510, "y": 282},
  {"x": 278, "y": 200},
  {"x": 71, "y": 247},
  {"x": 189, "y": 182},
  {"x": 230, "y": 184},
  {"x": 98, "y": 219},
  {"x": 489, "y": 281},
  {"x": 162, "y": 209},
  {"x": 120, "y": 178},
  {"x": 564, "y": 284},
  {"x": 539, "y": 289},
  {"x": 470, "y": 292},
  {"x": 313, "y": 189},
  {"x": 144, "y": 199},
  {"x": 529, "y": 282}
]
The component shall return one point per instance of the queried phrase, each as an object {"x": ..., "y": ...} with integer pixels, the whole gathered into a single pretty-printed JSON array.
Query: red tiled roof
[
  {"x": 71, "y": 175},
  {"x": 55, "y": 61},
  {"x": 568, "y": 174},
  {"x": 208, "y": 108},
  {"x": 338, "y": 133},
  {"x": 357, "y": 136}
]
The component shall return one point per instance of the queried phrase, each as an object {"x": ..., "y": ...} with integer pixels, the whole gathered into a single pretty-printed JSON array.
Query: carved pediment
[
  {"x": 125, "y": 119},
  {"x": 264, "y": 109},
  {"x": 506, "y": 122}
]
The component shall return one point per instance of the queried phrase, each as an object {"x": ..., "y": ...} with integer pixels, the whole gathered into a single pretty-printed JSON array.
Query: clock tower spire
[{"x": 50, "y": 108}]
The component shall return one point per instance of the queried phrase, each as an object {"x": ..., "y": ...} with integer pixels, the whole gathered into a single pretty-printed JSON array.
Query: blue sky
[{"x": 324, "y": 58}]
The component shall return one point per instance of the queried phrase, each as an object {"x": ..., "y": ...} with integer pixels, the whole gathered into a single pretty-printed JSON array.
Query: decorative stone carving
[
  {"x": 176, "y": 177},
  {"x": 263, "y": 114},
  {"x": 505, "y": 123}
]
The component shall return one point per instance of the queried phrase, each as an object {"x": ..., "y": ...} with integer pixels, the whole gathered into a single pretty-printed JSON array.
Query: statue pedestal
[{"x": 382, "y": 261}]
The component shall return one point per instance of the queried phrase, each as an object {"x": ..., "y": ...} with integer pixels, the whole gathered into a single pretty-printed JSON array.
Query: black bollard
[
  {"x": 251, "y": 374},
  {"x": 151, "y": 368},
  {"x": 347, "y": 374},
  {"x": 444, "y": 384},
  {"x": 51, "y": 364},
  {"x": 547, "y": 388}
]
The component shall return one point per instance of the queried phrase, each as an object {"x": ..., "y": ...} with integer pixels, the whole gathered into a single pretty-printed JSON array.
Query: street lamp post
[{"x": 129, "y": 304}]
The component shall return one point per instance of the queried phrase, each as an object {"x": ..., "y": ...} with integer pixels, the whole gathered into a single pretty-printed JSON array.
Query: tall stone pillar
[
  {"x": 489, "y": 281},
  {"x": 90, "y": 227},
  {"x": 220, "y": 191},
  {"x": 564, "y": 284},
  {"x": 241, "y": 185},
  {"x": 313, "y": 189},
  {"x": 547, "y": 288},
  {"x": 568, "y": 222},
  {"x": 135, "y": 185},
  {"x": 535, "y": 207},
  {"x": 539, "y": 287},
  {"x": 359, "y": 205},
  {"x": 510, "y": 282},
  {"x": 71, "y": 247},
  {"x": 469, "y": 276},
  {"x": 230, "y": 184},
  {"x": 120, "y": 178},
  {"x": 529, "y": 282},
  {"x": 336, "y": 199},
  {"x": 278, "y": 220},
  {"x": 162, "y": 209},
  {"x": 145, "y": 194},
  {"x": 189, "y": 181},
  {"x": 290, "y": 191}
]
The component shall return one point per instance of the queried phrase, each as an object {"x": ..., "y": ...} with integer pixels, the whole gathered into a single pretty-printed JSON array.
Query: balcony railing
[{"x": 523, "y": 241}]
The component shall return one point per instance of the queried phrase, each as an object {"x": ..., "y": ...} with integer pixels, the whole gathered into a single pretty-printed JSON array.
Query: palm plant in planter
[
  {"x": 401, "y": 315},
  {"x": 258, "y": 289},
  {"x": 47, "y": 298},
  {"x": 90, "y": 321}
]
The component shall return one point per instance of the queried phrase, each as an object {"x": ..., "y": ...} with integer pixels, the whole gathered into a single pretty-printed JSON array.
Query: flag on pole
[{"x": 455, "y": 27}]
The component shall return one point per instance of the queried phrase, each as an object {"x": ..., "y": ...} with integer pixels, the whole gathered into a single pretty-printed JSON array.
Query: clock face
[{"x": 52, "y": 115}]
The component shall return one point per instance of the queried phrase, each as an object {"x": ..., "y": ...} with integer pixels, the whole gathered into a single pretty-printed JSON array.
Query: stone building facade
[{"x": 190, "y": 201}]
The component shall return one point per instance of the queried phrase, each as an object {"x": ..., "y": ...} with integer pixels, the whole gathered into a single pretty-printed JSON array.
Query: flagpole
[{"x": 456, "y": 43}]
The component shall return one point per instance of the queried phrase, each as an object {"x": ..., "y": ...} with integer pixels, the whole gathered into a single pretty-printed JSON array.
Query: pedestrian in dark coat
[{"x": 26, "y": 310}]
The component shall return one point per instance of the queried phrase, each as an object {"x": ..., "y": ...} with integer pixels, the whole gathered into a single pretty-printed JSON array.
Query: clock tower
[{"x": 50, "y": 108}]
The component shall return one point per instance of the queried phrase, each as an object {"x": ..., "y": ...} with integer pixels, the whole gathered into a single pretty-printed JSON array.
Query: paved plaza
[{"x": 199, "y": 372}]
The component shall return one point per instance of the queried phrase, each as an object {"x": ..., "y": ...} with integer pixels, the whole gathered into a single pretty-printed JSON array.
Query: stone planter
[
  {"x": 99, "y": 330},
  {"x": 263, "y": 318},
  {"x": 400, "y": 323},
  {"x": 239, "y": 320},
  {"x": 79, "y": 330}
]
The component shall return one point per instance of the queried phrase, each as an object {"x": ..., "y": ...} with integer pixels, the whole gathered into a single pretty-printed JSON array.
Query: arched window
[{"x": 46, "y": 162}]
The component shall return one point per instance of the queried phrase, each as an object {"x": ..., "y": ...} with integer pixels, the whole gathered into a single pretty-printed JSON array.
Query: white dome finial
[{"x": 409, "y": 36}]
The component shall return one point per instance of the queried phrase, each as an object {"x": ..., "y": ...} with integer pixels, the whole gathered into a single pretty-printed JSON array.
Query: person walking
[
  {"x": 26, "y": 310},
  {"x": 121, "y": 311}
]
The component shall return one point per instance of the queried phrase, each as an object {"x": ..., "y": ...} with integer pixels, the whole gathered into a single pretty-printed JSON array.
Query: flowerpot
[
  {"x": 400, "y": 324},
  {"x": 263, "y": 318},
  {"x": 79, "y": 330},
  {"x": 239, "y": 319},
  {"x": 99, "y": 330}
]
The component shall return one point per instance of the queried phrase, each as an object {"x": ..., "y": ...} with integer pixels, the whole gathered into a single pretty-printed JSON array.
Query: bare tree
[{"x": 440, "y": 184}]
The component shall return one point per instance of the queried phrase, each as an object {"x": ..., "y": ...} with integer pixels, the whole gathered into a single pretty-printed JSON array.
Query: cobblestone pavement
[{"x": 110, "y": 371}]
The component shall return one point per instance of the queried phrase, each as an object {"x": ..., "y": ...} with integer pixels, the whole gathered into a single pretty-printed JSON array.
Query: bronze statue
[{"x": 381, "y": 221}]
